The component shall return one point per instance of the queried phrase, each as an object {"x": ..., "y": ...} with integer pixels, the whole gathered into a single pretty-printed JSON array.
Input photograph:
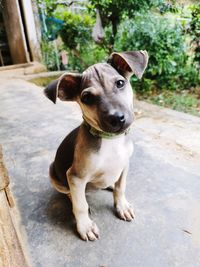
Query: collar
[{"x": 101, "y": 134}]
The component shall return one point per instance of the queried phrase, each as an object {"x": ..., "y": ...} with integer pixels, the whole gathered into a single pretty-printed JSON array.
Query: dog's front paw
[
  {"x": 124, "y": 210},
  {"x": 88, "y": 230}
]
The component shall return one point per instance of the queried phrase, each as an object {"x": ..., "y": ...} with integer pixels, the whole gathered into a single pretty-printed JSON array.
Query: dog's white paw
[
  {"x": 88, "y": 230},
  {"x": 125, "y": 210}
]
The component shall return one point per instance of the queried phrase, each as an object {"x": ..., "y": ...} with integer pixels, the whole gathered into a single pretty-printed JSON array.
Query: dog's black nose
[{"x": 116, "y": 120}]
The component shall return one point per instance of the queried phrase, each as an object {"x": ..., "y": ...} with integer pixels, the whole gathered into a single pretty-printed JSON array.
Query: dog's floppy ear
[
  {"x": 129, "y": 63},
  {"x": 51, "y": 91},
  {"x": 66, "y": 87}
]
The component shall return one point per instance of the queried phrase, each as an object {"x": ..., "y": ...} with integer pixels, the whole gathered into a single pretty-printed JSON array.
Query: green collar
[{"x": 102, "y": 134}]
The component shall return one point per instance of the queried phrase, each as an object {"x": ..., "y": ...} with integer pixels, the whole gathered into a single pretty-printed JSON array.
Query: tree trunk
[{"x": 115, "y": 23}]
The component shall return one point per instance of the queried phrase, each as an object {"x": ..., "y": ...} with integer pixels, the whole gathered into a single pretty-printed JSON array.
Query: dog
[{"x": 98, "y": 151}]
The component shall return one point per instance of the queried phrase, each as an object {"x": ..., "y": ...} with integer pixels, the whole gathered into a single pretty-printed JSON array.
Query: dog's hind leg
[{"x": 56, "y": 183}]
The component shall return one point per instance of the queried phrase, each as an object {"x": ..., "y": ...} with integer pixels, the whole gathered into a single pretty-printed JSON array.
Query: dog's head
[{"x": 103, "y": 91}]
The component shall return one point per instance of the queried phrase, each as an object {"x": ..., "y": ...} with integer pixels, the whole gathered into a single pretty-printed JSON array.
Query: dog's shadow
[
  {"x": 59, "y": 212},
  {"x": 59, "y": 209}
]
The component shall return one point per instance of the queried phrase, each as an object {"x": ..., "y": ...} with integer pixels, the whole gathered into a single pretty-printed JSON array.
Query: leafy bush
[
  {"x": 88, "y": 55},
  {"x": 113, "y": 13},
  {"x": 76, "y": 29},
  {"x": 171, "y": 63},
  {"x": 163, "y": 38},
  {"x": 194, "y": 31},
  {"x": 49, "y": 55},
  {"x": 76, "y": 35}
]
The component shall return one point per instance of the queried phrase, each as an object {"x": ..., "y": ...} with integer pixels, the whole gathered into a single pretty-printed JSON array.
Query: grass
[
  {"x": 187, "y": 101},
  {"x": 44, "y": 81}
]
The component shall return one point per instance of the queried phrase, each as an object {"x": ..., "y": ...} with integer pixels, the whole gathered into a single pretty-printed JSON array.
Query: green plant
[
  {"x": 113, "y": 12},
  {"x": 90, "y": 54},
  {"x": 171, "y": 61},
  {"x": 49, "y": 55},
  {"x": 76, "y": 35},
  {"x": 76, "y": 28},
  {"x": 169, "y": 65},
  {"x": 194, "y": 31}
]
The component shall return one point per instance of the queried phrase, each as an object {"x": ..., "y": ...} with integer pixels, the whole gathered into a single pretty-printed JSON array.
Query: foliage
[
  {"x": 194, "y": 31},
  {"x": 169, "y": 65},
  {"x": 76, "y": 35},
  {"x": 49, "y": 55},
  {"x": 88, "y": 55},
  {"x": 132, "y": 25},
  {"x": 113, "y": 12},
  {"x": 49, "y": 6},
  {"x": 76, "y": 29}
]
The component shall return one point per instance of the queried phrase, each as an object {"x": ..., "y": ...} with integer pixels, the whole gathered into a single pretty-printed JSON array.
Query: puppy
[{"x": 98, "y": 151}]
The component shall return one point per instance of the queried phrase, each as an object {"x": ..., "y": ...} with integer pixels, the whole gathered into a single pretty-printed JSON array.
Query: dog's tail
[{"x": 55, "y": 182}]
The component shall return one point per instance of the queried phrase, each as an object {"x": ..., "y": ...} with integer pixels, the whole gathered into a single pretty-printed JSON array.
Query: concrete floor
[{"x": 163, "y": 185}]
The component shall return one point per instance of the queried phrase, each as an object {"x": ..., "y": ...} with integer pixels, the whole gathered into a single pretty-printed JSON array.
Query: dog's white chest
[{"x": 110, "y": 161}]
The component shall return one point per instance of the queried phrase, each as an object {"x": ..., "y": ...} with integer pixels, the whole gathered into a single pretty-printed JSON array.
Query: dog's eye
[
  {"x": 87, "y": 98},
  {"x": 120, "y": 83}
]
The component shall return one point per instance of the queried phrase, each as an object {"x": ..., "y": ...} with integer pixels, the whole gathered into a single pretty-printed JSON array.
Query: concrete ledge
[{"x": 19, "y": 70}]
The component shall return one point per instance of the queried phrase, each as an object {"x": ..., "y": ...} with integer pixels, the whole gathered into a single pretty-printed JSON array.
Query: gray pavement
[{"x": 163, "y": 185}]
